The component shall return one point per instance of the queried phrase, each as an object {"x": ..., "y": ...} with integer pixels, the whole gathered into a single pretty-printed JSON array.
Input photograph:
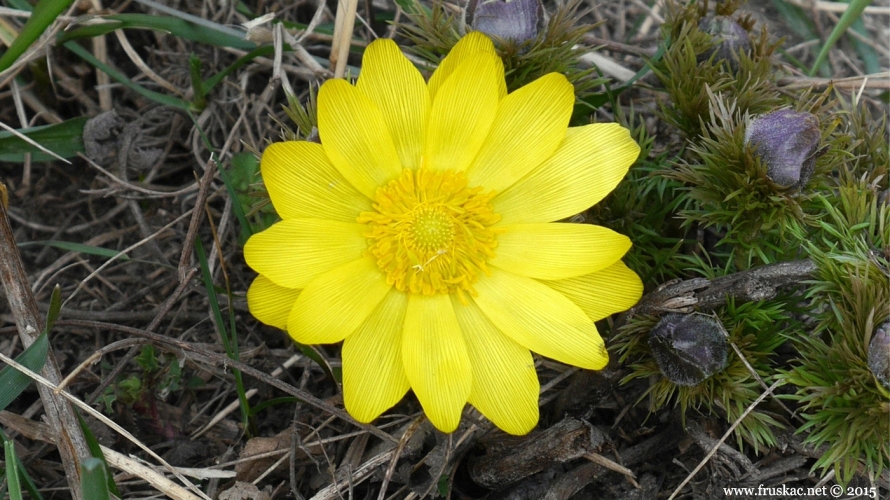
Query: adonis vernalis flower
[{"x": 421, "y": 233}]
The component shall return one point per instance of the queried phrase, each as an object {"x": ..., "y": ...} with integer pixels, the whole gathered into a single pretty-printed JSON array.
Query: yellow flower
[{"x": 421, "y": 233}]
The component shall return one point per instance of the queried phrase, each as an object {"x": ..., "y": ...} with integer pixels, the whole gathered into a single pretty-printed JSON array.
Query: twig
[
  {"x": 124, "y": 252},
  {"x": 879, "y": 81},
  {"x": 162, "y": 311},
  {"x": 70, "y": 441},
  {"x": 759, "y": 283},
  {"x": 189, "y": 243},
  {"x": 729, "y": 431}
]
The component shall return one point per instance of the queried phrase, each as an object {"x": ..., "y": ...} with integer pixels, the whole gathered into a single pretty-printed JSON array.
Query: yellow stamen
[{"x": 430, "y": 233}]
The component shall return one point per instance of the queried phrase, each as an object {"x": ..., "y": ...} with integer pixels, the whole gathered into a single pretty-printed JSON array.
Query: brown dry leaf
[
  {"x": 244, "y": 491},
  {"x": 252, "y": 469}
]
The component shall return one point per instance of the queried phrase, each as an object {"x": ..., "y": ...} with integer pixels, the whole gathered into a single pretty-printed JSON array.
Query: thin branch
[
  {"x": 759, "y": 283},
  {"x": 70, "y": 440}
]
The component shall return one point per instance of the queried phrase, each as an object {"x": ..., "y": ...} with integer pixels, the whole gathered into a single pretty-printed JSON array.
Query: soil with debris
[{"x": 143, "y": 346}]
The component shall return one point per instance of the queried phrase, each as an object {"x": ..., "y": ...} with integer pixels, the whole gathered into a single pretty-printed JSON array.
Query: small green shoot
[
  {"x": 24, "y": 479},
  {"x": 96, "y": 451},
  {"x": 200, "y": 99},
  {"x": 12, "y": 470},
  {"x": 94, "y": 479}
]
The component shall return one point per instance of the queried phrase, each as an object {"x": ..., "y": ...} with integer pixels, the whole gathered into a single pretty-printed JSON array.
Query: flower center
[{"x": 430, "y": 233}]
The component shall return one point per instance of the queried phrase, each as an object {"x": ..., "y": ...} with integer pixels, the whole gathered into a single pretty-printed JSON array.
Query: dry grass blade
[
  {"x": 723, "y": 438},
  {"x": 55, "y": 389},
  {"x": 159, "y": 481},
  {"x": 31, "y": 142},
  {"x": 343, "y": 28},
  {"x": 124, "y": 252}
]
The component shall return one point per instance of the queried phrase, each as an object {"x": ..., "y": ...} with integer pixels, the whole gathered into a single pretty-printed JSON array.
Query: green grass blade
[
  {"x": 229, "y": 343},
  {"x": 44, "y": 14},
  {"x": 76, "y": 247},
  {"x": 148, "y": 94},
  {"x": 246, "y": 58},
  {"x": 55, "y": 306},
  {"x": 273, "y": 402},
  {"x": 65, "y": 139},
  {"x": 96, "y": 451},
  {"x": 12, "y": 471},
  {"x": 797, "y": 19},
  {"x": 93, "y": 479},
  {"x": 23, "y": 476},
  {"x": 853, "y": 12},
  {"x": 414, "y": 7},
  {"x": 219, "y": 36},
  {"x": 198, "y": 21},
  {"x": 12, "y": 381}
]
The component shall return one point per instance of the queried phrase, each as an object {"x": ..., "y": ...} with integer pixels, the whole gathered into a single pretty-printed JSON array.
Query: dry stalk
[
  {"x": 70, "y": 441},
  {"x": 343, "y": 27},
  {"x": 768, "y": 392}
]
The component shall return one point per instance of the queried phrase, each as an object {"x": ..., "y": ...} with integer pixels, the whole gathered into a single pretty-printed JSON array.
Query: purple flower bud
[
  {"x": 787, "y": 142},
  {"x": 729, "y": 38},
  {"x": 517, "y": 20},
  {"x": 879, "y": 354},
  {"x": 689, "y": 347}
]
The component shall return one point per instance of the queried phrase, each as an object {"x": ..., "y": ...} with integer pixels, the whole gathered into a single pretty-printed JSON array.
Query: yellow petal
[
  {"x": 302, "y": 182},
  {"x": 530, "y": 124},
  {"x": 269, "y": 302},
  {"x": 603, "y": 293},
  {"x": 436, "y": 360},
  {"x": 336, "y": 303},
  {"x": 556, "y": 251},
  {"x": 584, "y": 169},
  {"x": 541, "y": 319},
  {"x": 392, "y": 83},
  {"x": 373, "y": 374},
  {"x": 355, "y": 137},
  {"x": 293, "y": 252},
  {"x": 505, "y": 384},
  {"x": 470, "y": 45},
  {"x": 462, "y": 114}
]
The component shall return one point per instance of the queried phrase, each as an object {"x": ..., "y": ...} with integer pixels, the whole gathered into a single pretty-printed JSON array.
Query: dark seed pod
[
  {"x": 729, "y": 39},
  {"x": 689, "y": 347},
  {"x": 517, "y": 20},
  {"x": 879, "y": 354},
  {"x": 787, "y": 142}
]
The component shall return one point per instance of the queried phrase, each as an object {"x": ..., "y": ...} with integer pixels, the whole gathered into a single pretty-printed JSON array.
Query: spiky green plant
[
  {"x": 730, "y": 192},
  {"x": 643, "y": 207},
  {"x": 554, "y": 49},
  {"x": 690, "y": 67},
  {"x": 756, "y": 329},
  {"x": 842, "y": 402}
]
